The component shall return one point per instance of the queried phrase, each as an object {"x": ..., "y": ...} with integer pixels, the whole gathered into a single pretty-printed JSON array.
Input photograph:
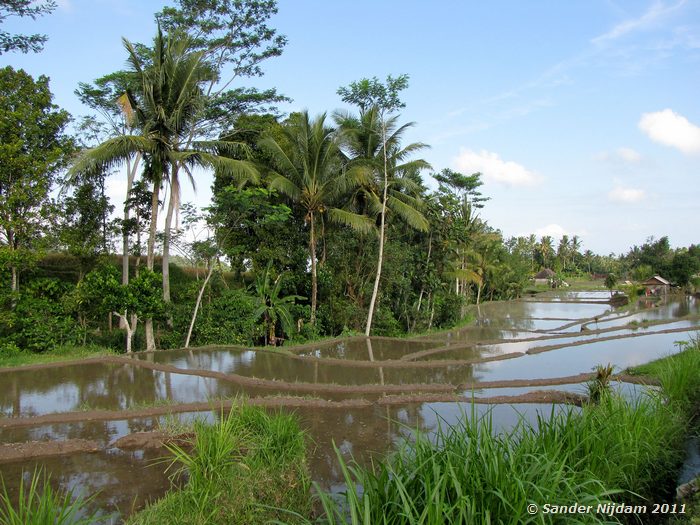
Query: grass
[
  {"x": 612, "y": 450},
  {"x": 61, "y": 353},
  {"x": 679, "y": 375},
  {"x": 38, "y": 504},
  {"x": 241, "y": 470}
]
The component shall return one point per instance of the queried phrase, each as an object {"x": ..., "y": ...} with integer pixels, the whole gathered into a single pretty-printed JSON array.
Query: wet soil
[
  {"x": 152, "y": 440},
  {"x": 39, "y": 449}
]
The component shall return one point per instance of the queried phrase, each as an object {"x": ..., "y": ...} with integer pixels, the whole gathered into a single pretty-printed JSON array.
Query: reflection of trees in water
[
  {"x": 682, "y": 307},
  {"x": 360, "y": 434},
  {"x": 121, "y": 481},
  {"x": 61, "y": 389}
]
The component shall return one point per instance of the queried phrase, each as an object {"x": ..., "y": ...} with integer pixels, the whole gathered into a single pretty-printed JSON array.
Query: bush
[
  {"x": 448, "y": 310},
  {"x": 228, "y": 319}
]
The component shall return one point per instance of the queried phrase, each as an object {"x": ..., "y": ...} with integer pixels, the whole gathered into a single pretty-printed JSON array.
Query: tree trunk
[
  {"x": 272, "y": 338},
  {"x": 427, "y": 261},
  {"x": 130, "y": 328},
  {"x": 314, "y": 277},
  {"x": 130, "y": 175},
  {"x": 380, "y": 258},
  {"x": 150, "y": 258},
  {"x": 15, "y": 280},
  {"x": 172, "y": 204},
  {"x": 197, "y": 304}
]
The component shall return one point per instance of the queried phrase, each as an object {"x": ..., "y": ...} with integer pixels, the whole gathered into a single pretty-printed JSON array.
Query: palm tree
[
  {"x": 271, "y": 306},
  {"x": 545, "y": 250},
  {"x": 575, "y": 249},
  {"x": 169, "y": 95},
  {"x": 309, "y": 170},
  {"x": 563, "y": 251},
  {"x": 373, "y": 144}
]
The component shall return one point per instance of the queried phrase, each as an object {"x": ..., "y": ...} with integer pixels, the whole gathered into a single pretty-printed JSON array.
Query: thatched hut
[{"x": 545, "y": 276}]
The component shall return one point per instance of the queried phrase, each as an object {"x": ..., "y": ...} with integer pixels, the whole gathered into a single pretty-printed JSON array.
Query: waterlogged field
[{"x": 85, "y": 422}]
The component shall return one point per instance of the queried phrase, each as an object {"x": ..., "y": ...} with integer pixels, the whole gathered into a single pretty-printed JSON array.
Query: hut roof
[
  {"x": 545, "y": 274},
  {"x": 656, "y": 280}
]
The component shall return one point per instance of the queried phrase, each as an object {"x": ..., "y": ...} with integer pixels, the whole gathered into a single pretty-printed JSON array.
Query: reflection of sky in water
[{"x": 576, "y": 359}]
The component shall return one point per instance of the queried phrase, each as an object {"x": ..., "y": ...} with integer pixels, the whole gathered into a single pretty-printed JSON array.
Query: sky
[{"x": 583, "y": 117}]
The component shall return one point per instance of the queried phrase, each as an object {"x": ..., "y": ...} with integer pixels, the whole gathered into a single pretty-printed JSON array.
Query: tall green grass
[
  {"x": 611, "y": 450},
  {"x": 38, "y": 504},
  {"x": 240, "y": 470}
]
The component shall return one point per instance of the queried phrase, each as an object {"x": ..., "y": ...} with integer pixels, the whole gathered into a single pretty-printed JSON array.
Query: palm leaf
[
  {"x": 413, "y": 217},
  {"x": 357, "y": 222}
]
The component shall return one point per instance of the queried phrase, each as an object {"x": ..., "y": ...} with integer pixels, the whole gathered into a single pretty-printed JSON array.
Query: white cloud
[
  {"x": 657, "y": 11},
  {"x": 623, "y": 154},
  {"x": 552, "y": 230},
  {"x": 494, "y": 169},
  {"x": 671, "y": 129},
  {"x": 628, "y": 195},
  {"x": 628, "y": 154}
]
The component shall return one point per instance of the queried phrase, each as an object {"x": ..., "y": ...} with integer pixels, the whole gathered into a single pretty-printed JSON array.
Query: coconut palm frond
[
  {"x": 357, "y": 222},
  {"x": 110, "y": 154},
  {"x": 223, "y": 147},
  {"x": 284, "y": 186},
  {"x": 241, "y": 171},
  {"x": 413, "y": 217}
]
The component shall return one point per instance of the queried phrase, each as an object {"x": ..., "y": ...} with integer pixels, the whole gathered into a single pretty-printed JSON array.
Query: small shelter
[
  {"x": 656, "y": 285},
  {"x": 545, "y": 276}
]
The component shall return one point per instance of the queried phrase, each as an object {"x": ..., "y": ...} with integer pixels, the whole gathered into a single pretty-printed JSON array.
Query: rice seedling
[{"x": 600, "y": 384}]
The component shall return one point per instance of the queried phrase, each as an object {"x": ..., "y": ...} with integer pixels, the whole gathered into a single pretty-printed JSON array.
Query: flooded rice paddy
[{"x": 363, "y": 395}]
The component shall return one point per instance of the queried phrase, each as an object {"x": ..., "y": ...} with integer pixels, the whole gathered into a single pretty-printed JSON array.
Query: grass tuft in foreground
[
  {"x": 38, "y": 504},
  {"x": 240, "y": 470}
]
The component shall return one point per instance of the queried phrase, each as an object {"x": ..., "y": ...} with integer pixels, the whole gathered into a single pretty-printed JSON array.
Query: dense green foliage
[{"x": 339, "y": 206}]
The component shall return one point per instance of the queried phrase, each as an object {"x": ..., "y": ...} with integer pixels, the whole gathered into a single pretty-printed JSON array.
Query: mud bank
[{"x": 40, "y": 449}]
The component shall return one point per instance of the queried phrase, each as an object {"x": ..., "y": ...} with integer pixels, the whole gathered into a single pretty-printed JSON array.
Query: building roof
[
  {"x": 657, "y": 280},
  {"x": 545, "y": 274}
]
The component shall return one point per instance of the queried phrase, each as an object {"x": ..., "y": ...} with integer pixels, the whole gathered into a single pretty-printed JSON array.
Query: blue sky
[{"x": 583, "y": 117}]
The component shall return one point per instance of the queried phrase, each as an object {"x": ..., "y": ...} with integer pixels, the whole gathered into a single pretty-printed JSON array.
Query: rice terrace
[{"x": 490, "y": 315}]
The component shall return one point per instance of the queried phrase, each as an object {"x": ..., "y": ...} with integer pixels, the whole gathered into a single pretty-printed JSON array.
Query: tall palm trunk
[
  {"x": 130, "y": 175},
  {"x": 172, "y": 204},
  {"x": 314, "y": 277},
  {"x": 150, "y": 258},
  {"x": 380, "y": 258}
]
